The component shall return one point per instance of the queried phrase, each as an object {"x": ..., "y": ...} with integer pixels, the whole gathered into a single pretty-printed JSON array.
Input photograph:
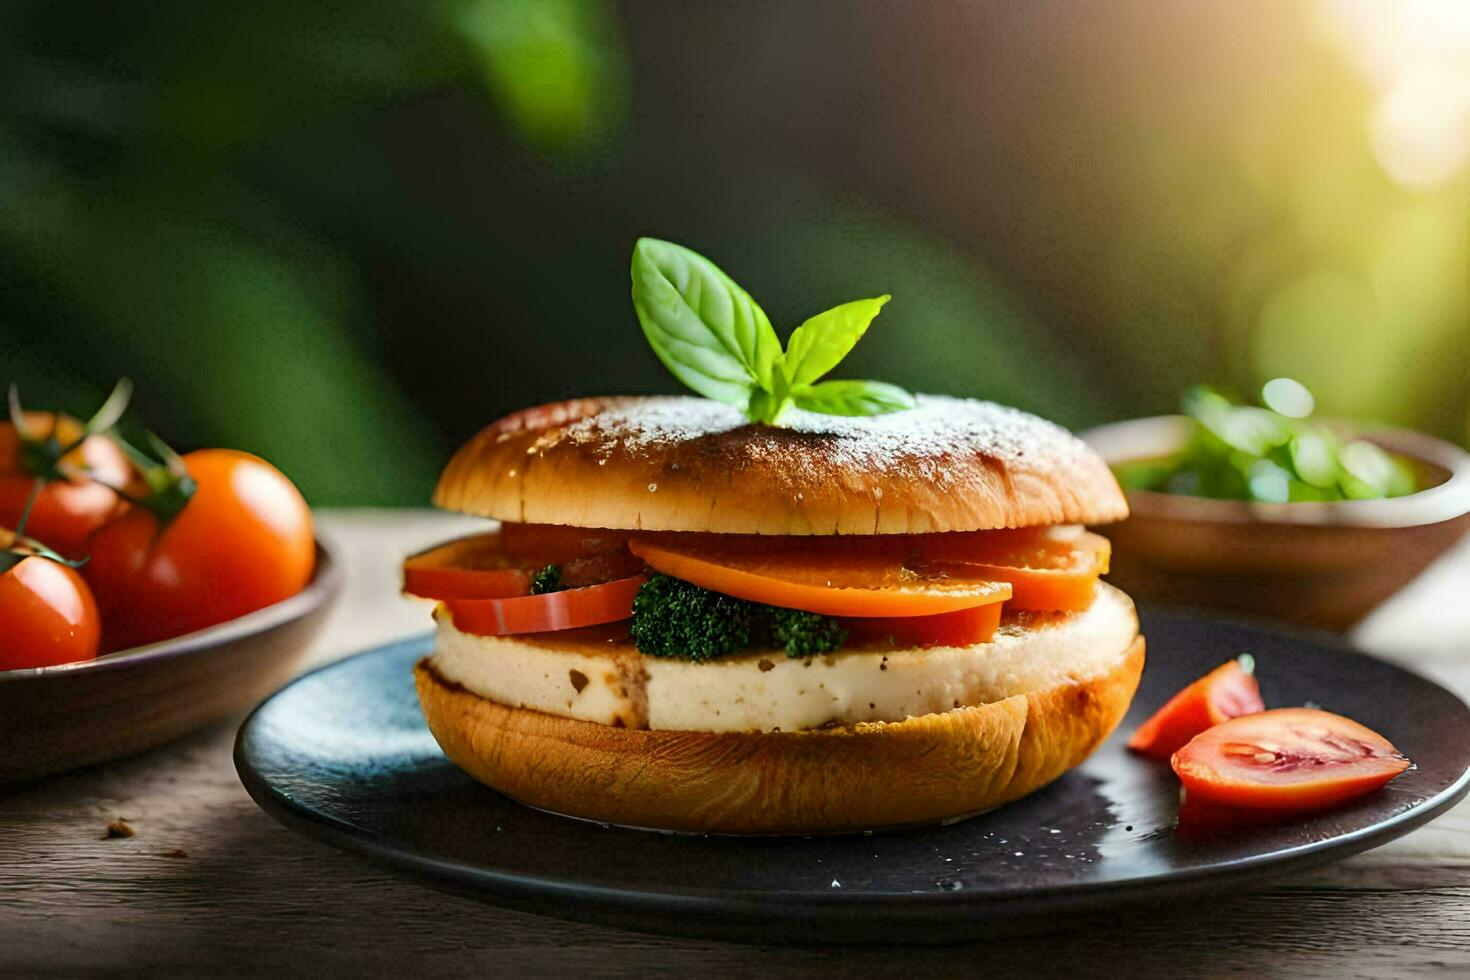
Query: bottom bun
[{"x": 865, "y": 776}]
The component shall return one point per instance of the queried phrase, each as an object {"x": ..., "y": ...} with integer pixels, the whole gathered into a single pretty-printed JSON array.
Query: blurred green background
[{"x": 345, "y": 235}]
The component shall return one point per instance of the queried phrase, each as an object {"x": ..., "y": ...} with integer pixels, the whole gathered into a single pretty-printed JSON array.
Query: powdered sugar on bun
[{"x": 691, "y": 464}]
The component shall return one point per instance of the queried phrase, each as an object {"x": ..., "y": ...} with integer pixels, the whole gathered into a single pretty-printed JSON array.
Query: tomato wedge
[
  {"x": 1226, "y": 692},
  {"x": 1289, "y": 759},
  {"x": 476, "y": 567},
  {"x": 833, "y": 580},
  {"x": 1049, "y": 569},
  {"x": 955, "y": 629},
  {"x": 569, "y": 609}
]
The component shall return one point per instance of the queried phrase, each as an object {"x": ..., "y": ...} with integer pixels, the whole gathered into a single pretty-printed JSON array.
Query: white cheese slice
[
  {"x": 576, "y": 674},
  {"x": 583, "y": 675}
]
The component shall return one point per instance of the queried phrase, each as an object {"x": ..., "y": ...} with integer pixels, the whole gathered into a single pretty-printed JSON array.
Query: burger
[
  {"x": 689, "y": 617},
  {"x": 834, "y": 625}
]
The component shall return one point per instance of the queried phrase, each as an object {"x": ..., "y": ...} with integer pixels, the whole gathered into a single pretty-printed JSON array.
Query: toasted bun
[
  {"x": 690, "y": 464},
  {"x": 858, "y": 777}
]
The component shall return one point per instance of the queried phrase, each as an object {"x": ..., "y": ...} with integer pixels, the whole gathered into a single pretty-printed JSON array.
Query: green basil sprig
[{"x": 716, "y": 339}]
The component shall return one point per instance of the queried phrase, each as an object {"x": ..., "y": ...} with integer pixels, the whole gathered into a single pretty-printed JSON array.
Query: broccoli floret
[
  {"x": 674, "y": 618},
  {"x": 546, "y": 580},
  {"x": 805, "y": 634}
]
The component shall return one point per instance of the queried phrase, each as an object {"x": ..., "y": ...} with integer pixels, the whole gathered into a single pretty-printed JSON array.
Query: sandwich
[{"x": 691, "y": 618}]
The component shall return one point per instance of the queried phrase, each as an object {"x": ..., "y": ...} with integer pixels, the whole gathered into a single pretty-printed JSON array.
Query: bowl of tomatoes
[{"x": 142, "y": 596}]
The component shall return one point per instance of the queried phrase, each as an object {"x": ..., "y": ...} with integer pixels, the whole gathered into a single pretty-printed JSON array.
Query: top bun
[{"x": 691, "y": 464}]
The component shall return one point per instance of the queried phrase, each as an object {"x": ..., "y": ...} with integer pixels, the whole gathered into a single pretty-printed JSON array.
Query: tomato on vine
[
  {"x": 47, "y": 614},
  {"x": 68, "y": 465},
  {"x": 218, "y": 534}
]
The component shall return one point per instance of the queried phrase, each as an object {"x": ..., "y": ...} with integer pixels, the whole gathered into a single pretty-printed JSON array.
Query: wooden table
[{"x": 211, "y": 885}]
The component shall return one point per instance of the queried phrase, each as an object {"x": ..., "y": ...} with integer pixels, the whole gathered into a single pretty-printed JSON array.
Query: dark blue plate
[{"x": 343, "y": 754}]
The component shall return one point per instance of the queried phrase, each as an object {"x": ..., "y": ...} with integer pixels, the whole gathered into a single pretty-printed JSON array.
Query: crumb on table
[{"x": 119, "y": 828}]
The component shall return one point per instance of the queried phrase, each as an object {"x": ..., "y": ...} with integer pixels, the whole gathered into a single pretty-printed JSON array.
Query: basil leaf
[
  {"x": 852, "y": 398},
  {"x": 705, "y": 329},
  {"x": 820, "y": 343},
  {"x": 766, "y": 407}
]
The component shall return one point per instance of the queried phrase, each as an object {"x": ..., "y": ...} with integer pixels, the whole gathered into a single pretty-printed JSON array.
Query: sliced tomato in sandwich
[
  {"x": 835, "y": 578},
  {"x": 1049, "y": 569},
  {"x": 553, "y": 544},
  {"x": 593, "y": 605},
  {"x": 501, "y": 564},
  {"x": 476, "y": 567},
  {"x": 963, "y": 628}
]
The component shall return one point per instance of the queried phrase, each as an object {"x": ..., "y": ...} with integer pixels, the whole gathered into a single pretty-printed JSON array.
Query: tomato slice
[
  {"x": 501, "y": 564},
  {"x": 963, "y": 628},
  {"x": 476, "y": 567},
  {"x": 1049, "y": 569},
  {"x": 1226, "y": 692},
  {"x": 837, "y": 579},
  {"x": 553, "y": 544},
  {"x": 1289, "y": 759},
  {"x": 569, "y": 609}
]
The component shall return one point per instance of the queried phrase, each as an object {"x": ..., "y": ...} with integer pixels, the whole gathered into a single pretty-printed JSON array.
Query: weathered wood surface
[{"x": 211, "y": 885}]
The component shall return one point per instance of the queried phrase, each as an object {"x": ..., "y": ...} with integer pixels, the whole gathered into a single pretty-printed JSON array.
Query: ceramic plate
[{"x": 343, "y": 754}]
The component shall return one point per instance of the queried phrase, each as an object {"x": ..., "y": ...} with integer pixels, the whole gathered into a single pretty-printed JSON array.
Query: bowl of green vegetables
[{"x": 1269, "y": 509}]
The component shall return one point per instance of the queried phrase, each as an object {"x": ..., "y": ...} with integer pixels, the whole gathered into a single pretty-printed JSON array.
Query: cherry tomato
[
  {"x": 242, "y": 542},
  {"x": 834, "y": 578},
  {"x": 67, "y": 511},
  {"x": 47, "y": 615},
  {"x": 1288, "y": 759},
  {"x": 1226, "y": 692},
  {"x": 1049, "y": 571},
  {"x": 963, "y": 628},
  {"x": 568, "y": 609}
]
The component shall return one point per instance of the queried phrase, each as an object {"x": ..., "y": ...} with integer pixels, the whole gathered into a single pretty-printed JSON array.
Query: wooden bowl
[
  {"x": 1321, "y": 564},
  {"x": 53, "y": 719}
]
